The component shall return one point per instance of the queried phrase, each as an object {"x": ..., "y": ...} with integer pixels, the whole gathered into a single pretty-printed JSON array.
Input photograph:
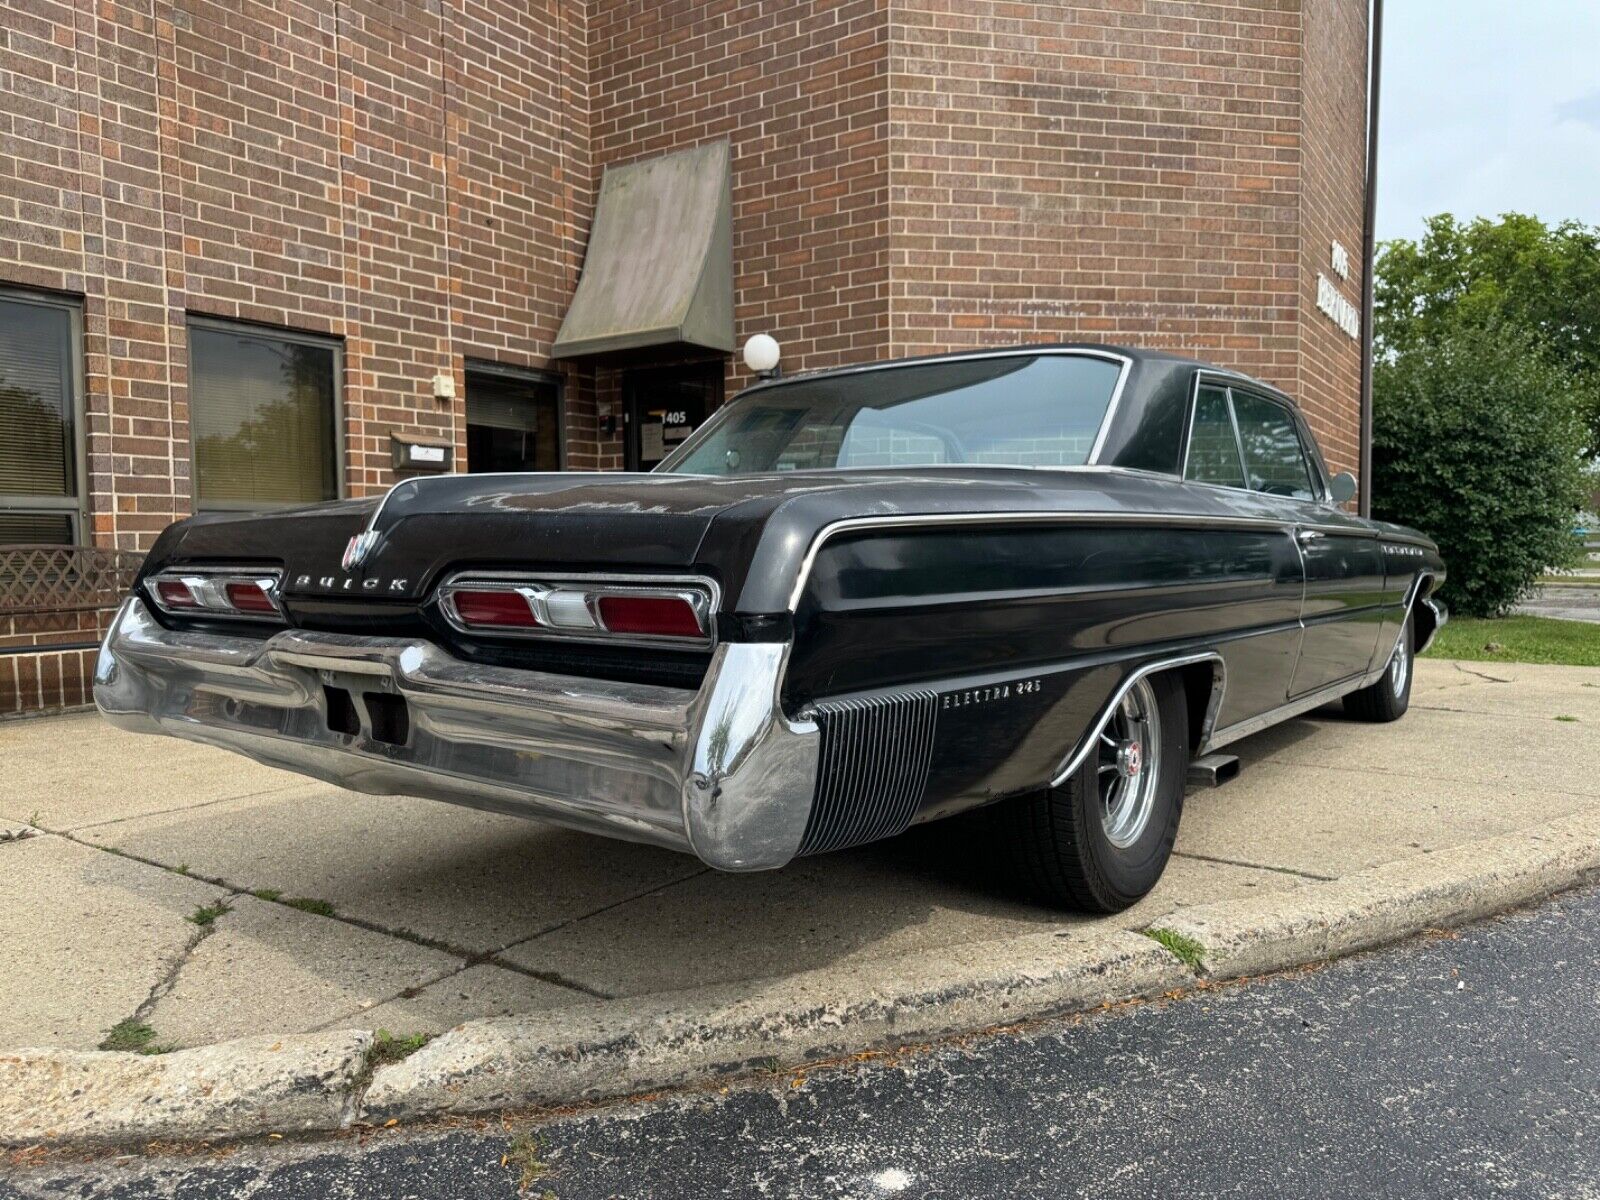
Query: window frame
[
  {"x": 76, "y": 504},
  {"x": 1310, "y": 452},
  {"x": 484, "y": 366},
  {"x": 258, "y": 329}
]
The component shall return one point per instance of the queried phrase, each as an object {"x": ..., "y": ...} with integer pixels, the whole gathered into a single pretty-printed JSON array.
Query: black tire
[
  {"x": 1056, "y": 845},
  {"x": 1388, "y": 699}
]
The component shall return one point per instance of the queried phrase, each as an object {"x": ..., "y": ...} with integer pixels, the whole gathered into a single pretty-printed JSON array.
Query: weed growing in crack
[
  {"x": 523, "y": 1157},
  {"x": 205, "y": 914},
  {"x": 134, "y": 1037},
  {"x": 1185, "y": 949},
  {"x": 320, "y": 908},
  {"x": 267, "y": 894}
]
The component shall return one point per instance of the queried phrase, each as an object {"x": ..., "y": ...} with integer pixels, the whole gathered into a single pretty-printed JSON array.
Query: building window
[
  {"x": 513, "y": 420},
  {"x": 264, "y": 416},
  {"x": 41, "y": 420}
]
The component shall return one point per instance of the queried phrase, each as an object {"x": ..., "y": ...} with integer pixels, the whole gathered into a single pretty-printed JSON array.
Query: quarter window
[
  {"x": 263, "y": 407},
  {"x": 1273, "y": 455},
  {"x": 1213, "y": 448},
  {"x": 40, "y": 451}
]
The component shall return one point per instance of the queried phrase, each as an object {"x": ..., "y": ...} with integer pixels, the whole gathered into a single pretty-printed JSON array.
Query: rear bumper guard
[{"x": 719, "y": 772}]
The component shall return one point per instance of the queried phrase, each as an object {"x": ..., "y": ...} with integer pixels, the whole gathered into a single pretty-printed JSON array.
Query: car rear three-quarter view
[{"x": 1037, "y": 582}]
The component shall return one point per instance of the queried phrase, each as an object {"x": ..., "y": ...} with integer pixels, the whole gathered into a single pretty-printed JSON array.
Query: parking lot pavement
[
  {"x": 205, "y": 897},
  {"x": 1568, "y": 601}
]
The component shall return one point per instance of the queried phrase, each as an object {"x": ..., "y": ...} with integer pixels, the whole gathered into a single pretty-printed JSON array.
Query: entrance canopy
[{"x": 659, "y": 269}]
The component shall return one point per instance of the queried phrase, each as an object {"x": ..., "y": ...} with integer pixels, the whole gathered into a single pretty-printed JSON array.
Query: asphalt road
[{"x": 1457, "y": 1066}]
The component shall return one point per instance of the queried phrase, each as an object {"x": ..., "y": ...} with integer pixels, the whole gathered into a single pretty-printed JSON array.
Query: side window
[
  {"x": 1213, "y": 451},
  {"x": 1273, "y": 455}
]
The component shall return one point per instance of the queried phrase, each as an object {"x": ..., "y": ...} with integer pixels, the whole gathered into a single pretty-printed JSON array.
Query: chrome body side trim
[
  {"x": 720, "y": 773},
  {"x": 1085, "y": 743},
  {"x": 1335, "y": 690}
]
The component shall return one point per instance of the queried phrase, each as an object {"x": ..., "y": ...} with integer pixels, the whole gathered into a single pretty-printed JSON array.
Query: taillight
[
  {"x": 650, "y": 616},
  {"x": 635, "y": 608},
  {"x": 494, "y": 609},
  {"x": 217, "y": 591},
  {"x": 250, "y": 597},
  {"x": 174, "y": 593}
]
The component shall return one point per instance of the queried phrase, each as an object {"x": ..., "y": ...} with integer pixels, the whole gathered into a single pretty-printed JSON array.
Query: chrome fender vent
[{"x": 872, "y": 769}]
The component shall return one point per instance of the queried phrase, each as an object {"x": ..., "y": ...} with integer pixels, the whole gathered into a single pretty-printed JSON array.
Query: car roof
[{"x": 1134, "y": 354}]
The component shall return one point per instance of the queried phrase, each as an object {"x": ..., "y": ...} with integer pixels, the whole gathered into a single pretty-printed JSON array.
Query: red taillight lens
[
  {"x": 508, "y": 610},
  {"x": 650, "y": 616},
  {"x": 174, "y": 593},
  {"x": 251, "y": 597}
]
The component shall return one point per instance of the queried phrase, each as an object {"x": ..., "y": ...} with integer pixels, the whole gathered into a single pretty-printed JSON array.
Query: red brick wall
[
  {"x": 1331, "y": 203},
  {"x": 800, "y": 89}
]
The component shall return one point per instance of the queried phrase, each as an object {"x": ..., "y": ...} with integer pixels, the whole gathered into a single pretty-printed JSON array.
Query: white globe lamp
[{"x": 761, "y": 355}]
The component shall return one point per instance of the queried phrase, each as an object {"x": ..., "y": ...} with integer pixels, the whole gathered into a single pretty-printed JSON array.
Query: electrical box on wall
[{"x": 417, "y": 455}]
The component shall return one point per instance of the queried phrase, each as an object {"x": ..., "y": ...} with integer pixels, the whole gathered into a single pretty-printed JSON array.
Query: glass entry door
[
  {"x": 513, "y": 421},
  {"x": 664, "y": 405}
]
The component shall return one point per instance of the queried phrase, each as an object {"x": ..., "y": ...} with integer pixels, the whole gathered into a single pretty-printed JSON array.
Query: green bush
[{"x": 1478, "y": 442}]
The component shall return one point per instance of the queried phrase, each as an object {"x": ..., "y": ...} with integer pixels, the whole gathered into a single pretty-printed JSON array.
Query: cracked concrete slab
[
  {"x": 76, "y": 770},
  {"x": 466, "y": 879},
  {"x": 84, "y": 937},
  {"x": 836, "y": 910},
  {"x": 268, "y": 968},
  {"x": 481, "y": 991}
]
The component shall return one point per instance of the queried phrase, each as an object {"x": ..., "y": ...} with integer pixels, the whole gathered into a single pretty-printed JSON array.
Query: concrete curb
[
  {"x": 1392, "y": 901},
  {"x": 255, "y": 1085},
  {"x": 609, "y": 1049},
  {"x": 616, "y": 1047}
]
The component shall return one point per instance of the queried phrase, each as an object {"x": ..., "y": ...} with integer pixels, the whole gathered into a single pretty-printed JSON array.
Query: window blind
[
  {"x": 262, "y": 410},
  {"x": 35, "y": 400}
]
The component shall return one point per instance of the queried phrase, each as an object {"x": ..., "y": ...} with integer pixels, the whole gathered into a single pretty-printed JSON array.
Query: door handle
[{"x": 1306, "y": 536}]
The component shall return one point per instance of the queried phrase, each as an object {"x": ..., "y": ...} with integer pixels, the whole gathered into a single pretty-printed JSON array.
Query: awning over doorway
[{"x": 659, "y": 269}]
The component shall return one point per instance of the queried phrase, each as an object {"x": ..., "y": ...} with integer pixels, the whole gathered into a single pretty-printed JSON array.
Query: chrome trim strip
[
  {"x": 1025, "y": 517},
  {"x": 720, "y": 772},
  {"x": 700, "y": 592},
  {"x": 1219, "y": 683},
  {"x": 687, "y": 447}
]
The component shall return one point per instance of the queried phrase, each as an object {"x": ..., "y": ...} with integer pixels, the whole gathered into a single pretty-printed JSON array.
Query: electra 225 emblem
[{"x": 967, "y": 697}]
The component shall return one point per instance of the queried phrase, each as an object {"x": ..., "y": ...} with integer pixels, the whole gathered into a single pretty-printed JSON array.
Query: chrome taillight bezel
[
  {"x": 209, "y": 587},
  {"x": 541, "y": 589}
]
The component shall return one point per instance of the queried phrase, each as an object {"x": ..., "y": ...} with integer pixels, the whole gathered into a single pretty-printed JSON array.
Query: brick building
[{"x": 262, "y": 251}]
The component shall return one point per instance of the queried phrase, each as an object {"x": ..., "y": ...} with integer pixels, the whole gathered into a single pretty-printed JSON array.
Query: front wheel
[
  {"x": 1388, "y": 699},
  {"x": 1100, "y": 841}
]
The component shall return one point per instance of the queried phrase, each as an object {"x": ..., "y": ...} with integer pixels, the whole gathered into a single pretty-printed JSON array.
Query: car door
[{"x": 1341, "y": 612}]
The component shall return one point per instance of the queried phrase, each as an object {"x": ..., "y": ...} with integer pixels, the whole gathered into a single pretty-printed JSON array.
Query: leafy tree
[
  {"x": 1477, "y": 441},
  {"x": 1512, "y": 271}
]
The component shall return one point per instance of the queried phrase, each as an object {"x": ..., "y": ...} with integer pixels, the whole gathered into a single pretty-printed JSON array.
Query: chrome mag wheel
[{"x": 1129, "y": 767}]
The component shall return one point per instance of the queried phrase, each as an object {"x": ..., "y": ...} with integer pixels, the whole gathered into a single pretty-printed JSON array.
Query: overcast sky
[{"x": 1489, "y": 106}]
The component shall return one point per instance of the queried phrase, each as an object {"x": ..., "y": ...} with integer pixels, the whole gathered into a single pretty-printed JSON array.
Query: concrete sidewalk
[{"x": 208, "y": 898}]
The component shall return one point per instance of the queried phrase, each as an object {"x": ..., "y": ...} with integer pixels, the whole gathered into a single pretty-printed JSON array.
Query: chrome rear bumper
[{"x": 719, "y": 772}]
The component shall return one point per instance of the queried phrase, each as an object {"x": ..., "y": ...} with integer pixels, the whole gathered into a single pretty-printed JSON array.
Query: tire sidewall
[{"x": 1132, "y": 871}]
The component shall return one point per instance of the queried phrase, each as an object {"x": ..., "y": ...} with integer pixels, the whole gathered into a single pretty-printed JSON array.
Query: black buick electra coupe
[{"x": 1038, "y": 582}]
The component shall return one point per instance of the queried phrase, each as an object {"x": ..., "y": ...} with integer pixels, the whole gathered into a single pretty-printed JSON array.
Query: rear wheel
[
  {"x": 1387, "y": 699},
  {"x": 1101, "y": 840}
]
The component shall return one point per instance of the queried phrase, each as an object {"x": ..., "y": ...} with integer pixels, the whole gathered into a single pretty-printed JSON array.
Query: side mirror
[{"x": 1342, "y": 488}]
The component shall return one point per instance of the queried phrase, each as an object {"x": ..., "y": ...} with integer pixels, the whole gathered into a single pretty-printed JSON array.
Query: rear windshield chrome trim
[
  {"x": 698, "y": 591},
  {"x": 1124, "y": 362}
]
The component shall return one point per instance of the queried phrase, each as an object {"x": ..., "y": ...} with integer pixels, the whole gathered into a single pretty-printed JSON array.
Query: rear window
[{"x": 1015, "y": 410}]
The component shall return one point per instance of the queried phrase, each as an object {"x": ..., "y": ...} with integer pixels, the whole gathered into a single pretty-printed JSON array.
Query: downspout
[{"x": 1368, "y": 251}]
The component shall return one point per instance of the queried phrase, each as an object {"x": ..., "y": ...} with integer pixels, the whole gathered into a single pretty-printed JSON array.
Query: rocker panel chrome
[{"x": 720, "y": 773}]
